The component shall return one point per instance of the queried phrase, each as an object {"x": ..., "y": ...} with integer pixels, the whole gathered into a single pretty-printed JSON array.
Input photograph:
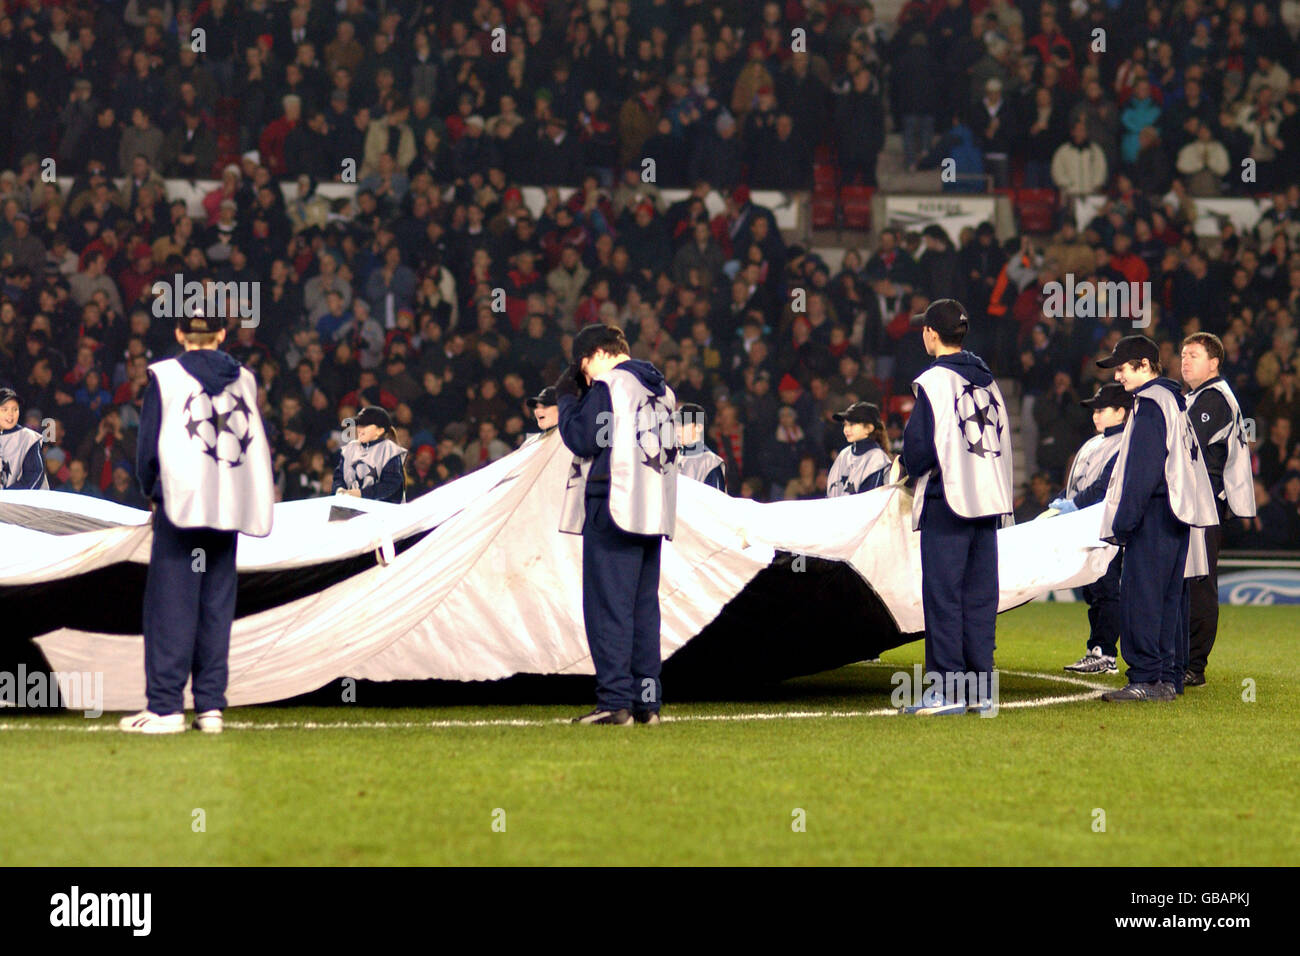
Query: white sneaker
[
  {"x": 209, "y": 722},
  {"x": 147, "y": 722},
  {"x": 1094, "y": 662}
]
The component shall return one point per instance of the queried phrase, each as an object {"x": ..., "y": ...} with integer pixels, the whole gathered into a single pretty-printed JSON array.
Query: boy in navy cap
[
  {"x": 204, "y": 459},
  {"x": 695, "y": 459},
  {"x": 862, "y": 464},
  {"x": 958, "y": 446},
  {"x": 1159, "y": 490},
  {"x": 1086, "y": 485}
]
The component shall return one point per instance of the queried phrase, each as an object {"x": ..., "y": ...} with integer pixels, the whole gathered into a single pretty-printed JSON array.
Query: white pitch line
[{"x": 1093, "y": 691}]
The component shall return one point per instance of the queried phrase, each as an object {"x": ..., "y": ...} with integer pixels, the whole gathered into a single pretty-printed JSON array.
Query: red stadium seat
[
  {"x": 823, "y": 213},
  {"x": 825, "y": 175},
  {"x": 1036, "y": 209},
  {"x": 855, "y": 201}
]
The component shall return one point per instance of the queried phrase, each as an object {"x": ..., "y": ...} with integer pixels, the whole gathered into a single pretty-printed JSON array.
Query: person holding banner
[
  {"x": 958, "y": 445},
  {"x": 1159, "y": 492},
  {"x": 21, "y": 463},
  {"x": 1086, "y": 485},
  {"x": 204, "y": 461},
  {"x": 616, "y": 416}
]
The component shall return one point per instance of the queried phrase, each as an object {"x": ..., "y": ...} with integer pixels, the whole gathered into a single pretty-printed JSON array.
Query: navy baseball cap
[
  {"x": 1110, "y": 395},
  {"x": 198, "y": 322},
  {"x": 943, "y": 315},
  {"x": 1132, "y": 348},
  {"x": 374, "y": 415},
  {"x": 864, "y": 413},
  {"x": 690, "y": 413},
  {"x": 545, "y": 398}
]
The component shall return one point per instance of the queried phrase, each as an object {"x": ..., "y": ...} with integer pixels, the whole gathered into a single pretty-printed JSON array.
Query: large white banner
[{"x": 494, "y": 588}]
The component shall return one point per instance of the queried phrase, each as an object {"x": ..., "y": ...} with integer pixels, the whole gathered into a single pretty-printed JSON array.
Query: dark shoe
[
  {"x": 1192, "y": 679},
  {"x": 646, "y": 717},
  {"x": 1168, "y": 691},
  {"x": 622, "y": 718},
  {"x": 1133, "y": 692}
]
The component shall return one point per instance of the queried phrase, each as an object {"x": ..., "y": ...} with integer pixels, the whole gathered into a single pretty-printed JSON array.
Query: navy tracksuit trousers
[
  {"x": 187, "y": 616},
  {"x": 620, "y": 608},
  {"x": 1153, "y": 597},
  {"x": 959, "y": 590},
  {"x": 1203, "y": 620},
  {"x": 1103, "y": 608}
]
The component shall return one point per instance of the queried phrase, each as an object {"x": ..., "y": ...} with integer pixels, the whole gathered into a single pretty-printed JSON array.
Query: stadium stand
[{"x": 388, "y": 175}]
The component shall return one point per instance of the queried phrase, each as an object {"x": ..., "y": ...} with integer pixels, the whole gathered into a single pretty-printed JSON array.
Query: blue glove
[{"x": 1063, "y": 505}]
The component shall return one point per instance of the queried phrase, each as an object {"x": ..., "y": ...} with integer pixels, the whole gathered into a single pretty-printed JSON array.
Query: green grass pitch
[{"x": 1207, "y": 780}]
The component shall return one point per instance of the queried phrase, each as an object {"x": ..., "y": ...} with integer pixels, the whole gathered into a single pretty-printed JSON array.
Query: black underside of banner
[{"x": 110, "y": 600}]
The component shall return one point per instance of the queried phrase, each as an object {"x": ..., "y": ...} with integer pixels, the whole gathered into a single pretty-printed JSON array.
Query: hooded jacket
[
  {"x": 580, "y": 426},
  {"x": 921, "y": 455}
]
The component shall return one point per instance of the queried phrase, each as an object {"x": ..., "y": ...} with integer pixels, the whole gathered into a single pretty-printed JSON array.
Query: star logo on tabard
[
  {"x": 575, "y": 473},
  {"x": 365, "y": 473},
  {"x": 221, "y": 423},
  {"x": 979, "y": 416},
  {"x": 656, "y": 435}
]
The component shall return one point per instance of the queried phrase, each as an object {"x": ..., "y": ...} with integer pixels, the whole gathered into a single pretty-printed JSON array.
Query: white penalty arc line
[{"x": 1093, "y": 691}]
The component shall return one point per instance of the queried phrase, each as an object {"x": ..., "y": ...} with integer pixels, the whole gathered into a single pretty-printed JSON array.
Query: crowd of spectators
[{"x": 435, "y": 292}]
